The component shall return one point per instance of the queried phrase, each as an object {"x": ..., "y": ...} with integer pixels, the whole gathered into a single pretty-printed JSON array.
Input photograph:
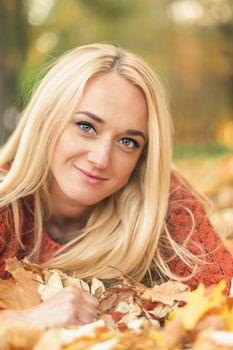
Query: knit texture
[{"x": 204, "y": 242}]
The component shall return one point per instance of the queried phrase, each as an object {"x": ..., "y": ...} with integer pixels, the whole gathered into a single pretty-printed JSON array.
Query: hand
[{"x": 72, "y": 306}]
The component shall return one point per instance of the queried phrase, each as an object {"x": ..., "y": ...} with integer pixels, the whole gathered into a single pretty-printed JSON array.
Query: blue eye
[
  {"x": 129, "y": 143},
  {"x": 86, "y": 127}
]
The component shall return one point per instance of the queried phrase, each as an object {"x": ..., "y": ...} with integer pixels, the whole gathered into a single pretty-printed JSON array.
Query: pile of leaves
[
  {"x": 148, "y": 318},
  {"x": 122, "y": 306}
]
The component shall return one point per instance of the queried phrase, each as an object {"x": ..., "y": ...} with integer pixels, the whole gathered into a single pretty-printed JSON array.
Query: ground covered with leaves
[{"x": 131, "y": 316}]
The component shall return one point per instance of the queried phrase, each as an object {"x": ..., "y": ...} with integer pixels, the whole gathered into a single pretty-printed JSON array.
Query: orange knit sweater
[{"x": 219, "y": 261}]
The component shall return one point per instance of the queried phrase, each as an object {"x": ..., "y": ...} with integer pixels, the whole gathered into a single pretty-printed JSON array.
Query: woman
[{"x": 87, "y": 183}]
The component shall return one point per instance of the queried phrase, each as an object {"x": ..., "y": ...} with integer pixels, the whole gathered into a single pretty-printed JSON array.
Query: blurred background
[{"x": 189, "y": 43}]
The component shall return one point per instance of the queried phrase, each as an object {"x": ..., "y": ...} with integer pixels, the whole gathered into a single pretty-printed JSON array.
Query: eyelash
[
  {"x": 84, "y": 123},
  {"x": 136, "y": 144}
]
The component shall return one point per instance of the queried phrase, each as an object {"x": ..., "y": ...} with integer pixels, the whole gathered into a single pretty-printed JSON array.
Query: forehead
[{"x": 115, "y": 99}]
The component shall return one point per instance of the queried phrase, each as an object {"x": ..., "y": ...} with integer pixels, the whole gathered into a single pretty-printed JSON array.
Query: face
[{"x": 100, "y": 147}]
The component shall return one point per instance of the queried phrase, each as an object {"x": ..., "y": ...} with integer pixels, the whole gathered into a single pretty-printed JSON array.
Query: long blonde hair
[{"x": 124, "y": 230}]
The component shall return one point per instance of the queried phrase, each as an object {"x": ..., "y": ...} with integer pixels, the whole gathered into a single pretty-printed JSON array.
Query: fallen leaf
[
  {"x": 160, "y": 311},
  {"x": 52, "y": 287},
  {"x": 96, "y": 284},
  {"x": 20, "y": 291},
  {"x": 14, "y": 335},
  {"x": 107, "y": 303},
  {"x": 200, "y": 302},
  {"x": 167, "y": 293}
]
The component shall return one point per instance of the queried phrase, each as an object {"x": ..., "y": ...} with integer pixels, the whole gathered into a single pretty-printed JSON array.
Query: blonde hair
[{"x": 126, "y": 232}]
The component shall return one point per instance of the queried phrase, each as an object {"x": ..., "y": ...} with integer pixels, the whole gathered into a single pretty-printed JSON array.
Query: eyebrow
[
  {"x": 136, "y": 133},
  {"x": 100, "y": 120},
  {"x": 92, "y": 116}
]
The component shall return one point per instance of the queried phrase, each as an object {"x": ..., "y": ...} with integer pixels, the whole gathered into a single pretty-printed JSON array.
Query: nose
[{"x": 100, "y": 154}]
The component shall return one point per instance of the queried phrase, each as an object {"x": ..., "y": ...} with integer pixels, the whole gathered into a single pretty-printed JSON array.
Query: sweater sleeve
[{"x": 187, "y": 216}]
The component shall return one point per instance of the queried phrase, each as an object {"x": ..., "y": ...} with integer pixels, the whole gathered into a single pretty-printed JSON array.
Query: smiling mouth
[{"x": 90, "y": 177}]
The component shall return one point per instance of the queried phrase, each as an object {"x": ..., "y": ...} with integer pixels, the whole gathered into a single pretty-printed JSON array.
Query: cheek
[
  {"x": 125, "y": 169},
  {"x": 64, "y": 148},
  {"x": 57, "y": 156}
]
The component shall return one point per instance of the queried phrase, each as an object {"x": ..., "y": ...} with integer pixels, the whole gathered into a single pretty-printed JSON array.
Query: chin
[{"x": 86, "y": 200}]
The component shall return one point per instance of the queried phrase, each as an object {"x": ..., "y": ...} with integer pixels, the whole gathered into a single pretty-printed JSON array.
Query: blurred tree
[
  {"x": 14, "y": 44},
  {"x": 188, "y": 42}
]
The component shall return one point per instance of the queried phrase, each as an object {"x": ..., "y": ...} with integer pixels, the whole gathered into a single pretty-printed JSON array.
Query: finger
[
  {"x": 89, "y": 311},
  {"x": 85, "y": 308},
  {"x": 85, "y": 305},
  {"x": 90, "y": 299},
  {"x": 85, "y": 317}
]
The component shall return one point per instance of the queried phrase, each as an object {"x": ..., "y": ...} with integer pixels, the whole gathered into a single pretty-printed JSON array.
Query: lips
[{"x": 90, "y": 177}]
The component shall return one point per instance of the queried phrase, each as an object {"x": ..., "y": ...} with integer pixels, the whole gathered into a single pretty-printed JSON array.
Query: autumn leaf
[
  {"x": 167, "y": 293},
  {"x": 200, "y": 302},
  {"x": 52, "y": 287},
  {"x": 107, "y": 302},
  {"x": 97, "y": 284},
  {"x": 20, "y": 291},
  {"x": 16, "y": 336}
]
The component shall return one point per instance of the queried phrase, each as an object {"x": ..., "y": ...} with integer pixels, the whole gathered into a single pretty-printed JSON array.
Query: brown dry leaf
[
  {"x": 98, "y": 293},
  {"x": 126, "y": 295},
  {"x": 108, "y": 302},
  {"x": 160, "y": 311},
  {"x": 36, "y": 269},
  {"x": 167, "y": 293},
  {"x": 19, "y": 292}
]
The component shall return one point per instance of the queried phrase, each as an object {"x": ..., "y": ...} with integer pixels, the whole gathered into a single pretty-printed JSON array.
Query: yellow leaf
[
  {"x": 19, "y": 292},
  {"x": 229, "y": 319},
  {"x": 18, "y": 336},
  {"x": 200, "y": 303}
]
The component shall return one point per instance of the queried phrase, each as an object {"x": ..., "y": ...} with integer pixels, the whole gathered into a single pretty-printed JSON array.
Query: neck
[
  {"x": 63, "y": 208},
  {"x": 64, "y": 231},
  {"x": 66, "y": 217}
]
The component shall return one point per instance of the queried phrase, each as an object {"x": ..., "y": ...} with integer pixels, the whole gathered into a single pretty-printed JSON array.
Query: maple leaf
[
  {"x": 200, "y": 302},
  {"x": 20, "y": 291}
]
